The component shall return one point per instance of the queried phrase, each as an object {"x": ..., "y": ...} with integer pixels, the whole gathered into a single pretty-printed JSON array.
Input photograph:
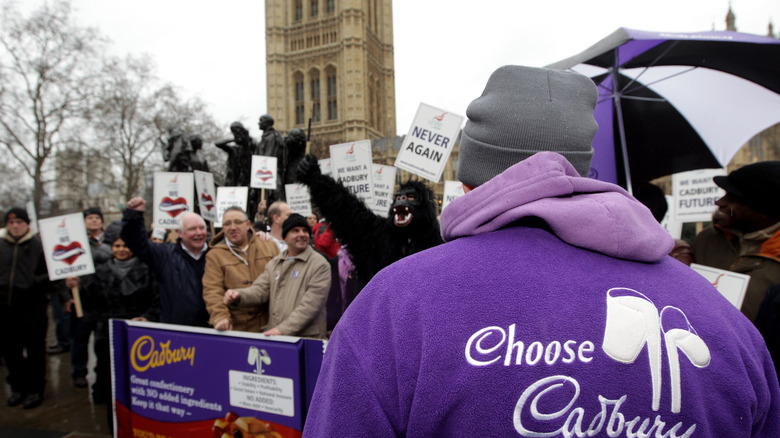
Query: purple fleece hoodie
[{"x": 582, "y": 327}]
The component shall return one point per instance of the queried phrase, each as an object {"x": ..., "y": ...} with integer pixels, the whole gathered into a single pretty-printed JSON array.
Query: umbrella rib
[
  {"x": 645, "y": 99},
  {"x": 647, "y": 67},
  {"x": 641, "y": 86}
]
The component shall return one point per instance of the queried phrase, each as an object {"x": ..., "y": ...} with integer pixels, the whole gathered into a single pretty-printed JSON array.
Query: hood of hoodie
[{"x": 582, "y": 212}]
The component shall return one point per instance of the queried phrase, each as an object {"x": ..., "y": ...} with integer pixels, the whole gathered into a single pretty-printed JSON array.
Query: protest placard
[
  {"x": 695, "y": 194},
  {"x": 674, "y": 227},
  {"x": 298, "y": 198},
  {"x": 325, "y": 166},
  {"x": 263, "y": 172},
  {"x": 254, "y": 383},
  {"x": 731, "y": 285},
  {"x": 204, "y": 185},
  {"x": 452, "y": 190},
  {"x": 66, "y": 246},
  {"x": 173, "y": 195},
  {"x": 427, "y": 147},
  {"x": 66, "y": 250},
  {"x": 228, "y": 196},
  {"x": 383, "y": 179},
  {"x": 352, "y": 166}
]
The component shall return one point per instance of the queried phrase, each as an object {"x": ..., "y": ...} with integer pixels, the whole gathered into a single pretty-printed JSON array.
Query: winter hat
[
  {"x": 17, "y": 213},
  {"x": 757, "y": 184},
  {"x": 525, "y": 110},
  {"x": 112, "y": 231},
  {"x": 292, "y": 221},
  {"x": 93, "y": 210}
]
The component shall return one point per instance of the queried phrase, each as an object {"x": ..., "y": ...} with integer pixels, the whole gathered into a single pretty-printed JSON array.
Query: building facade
[{"x": 331, "y": 62}]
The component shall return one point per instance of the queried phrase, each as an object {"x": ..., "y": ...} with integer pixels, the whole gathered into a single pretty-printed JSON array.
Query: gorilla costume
[{"x": 372, "y": 241}]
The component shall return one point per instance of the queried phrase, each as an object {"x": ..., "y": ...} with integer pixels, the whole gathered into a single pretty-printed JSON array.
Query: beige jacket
[
  {"x": 231, "y": 268},
  {"x": 296, "y": 291}
]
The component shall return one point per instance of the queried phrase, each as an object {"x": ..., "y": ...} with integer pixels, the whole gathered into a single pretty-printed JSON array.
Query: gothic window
[
  {"x": 315, "y": 95},
  {"x": 331, "y": 6},
  {"x": 300, "y": 115},
  {"x": 298, "y": 10},
  {"x": 315, "y": 7},
  {"x": 333, "y": 113}
]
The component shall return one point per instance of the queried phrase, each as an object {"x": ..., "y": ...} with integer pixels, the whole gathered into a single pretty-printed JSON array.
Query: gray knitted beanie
[{"x": 525, "y": 110}]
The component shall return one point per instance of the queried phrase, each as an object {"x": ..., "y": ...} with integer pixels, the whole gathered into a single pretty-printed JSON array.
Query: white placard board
[
  {"x": 352, "y": 167},
  {"x": 427, "y": 147},
  {"x": 204, "y": 186},
  {"x": 325, "y": 166},
  {"x": 263, "y": 172},
  {"x": 66, "y": 246},
  {"x": 695, "y": 194},
  {"x": 383, "y": 179},
  {"x": 229, "y": 196},
  {"x": 298, "y": 199},
  {"x": 173, "y": 195},
  {"x": 731, "y": 285},
  {"x": 671, "y": 225},
  {"x": 452, "y": 191}
]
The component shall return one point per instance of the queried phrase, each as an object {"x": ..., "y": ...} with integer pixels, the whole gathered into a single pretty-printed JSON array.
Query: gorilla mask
[{"x": 406, "y": 203}]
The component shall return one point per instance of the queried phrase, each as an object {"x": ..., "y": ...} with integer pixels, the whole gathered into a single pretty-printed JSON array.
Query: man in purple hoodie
[{"x": 551, "y": 311}]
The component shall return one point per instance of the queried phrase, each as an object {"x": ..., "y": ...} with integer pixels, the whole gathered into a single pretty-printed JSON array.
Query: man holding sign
[{"x": 24, "y": 284}]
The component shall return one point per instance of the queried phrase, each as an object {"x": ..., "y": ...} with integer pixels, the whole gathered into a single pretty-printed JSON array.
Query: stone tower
[
  {"x": 731, "y": 19},
  {"x": 331, "y": 61}
]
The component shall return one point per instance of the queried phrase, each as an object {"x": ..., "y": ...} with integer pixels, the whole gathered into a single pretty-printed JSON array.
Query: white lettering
[
  {"x": 530, "y": 359},
  {"x": 483, "y": 346},
  {"x": 529, "y": 422},
  {"x": 480, "y": 336}
]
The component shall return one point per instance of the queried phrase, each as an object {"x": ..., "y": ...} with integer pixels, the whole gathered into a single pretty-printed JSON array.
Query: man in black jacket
[
  {"x": 24, "y": 284},
  {"x": 179, "y": 267}
]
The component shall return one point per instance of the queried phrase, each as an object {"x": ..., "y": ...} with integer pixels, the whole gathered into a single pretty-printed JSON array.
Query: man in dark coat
[
  {"x": 24, "y": 284},
  {"x": 178, "y": 266}
]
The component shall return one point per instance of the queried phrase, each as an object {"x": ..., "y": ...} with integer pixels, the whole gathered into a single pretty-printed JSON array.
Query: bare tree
[
  {"x": 123, "y": 117},
  {"x": 192, "y": 116},
  {"x": 47, "y": 67}
]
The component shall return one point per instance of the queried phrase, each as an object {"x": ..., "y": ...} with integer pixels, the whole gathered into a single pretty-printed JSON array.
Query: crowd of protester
[{"x": 529, "y": 212}]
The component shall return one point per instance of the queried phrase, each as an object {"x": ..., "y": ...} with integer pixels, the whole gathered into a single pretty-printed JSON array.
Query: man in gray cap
[
  {"x": 745, "y": 233},
  {"x": 295, "y": 284},
  {"x": 551, "y": 310}
]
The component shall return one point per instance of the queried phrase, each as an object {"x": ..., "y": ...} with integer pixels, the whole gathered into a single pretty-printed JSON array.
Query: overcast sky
[{"x": 445, "y": 50}]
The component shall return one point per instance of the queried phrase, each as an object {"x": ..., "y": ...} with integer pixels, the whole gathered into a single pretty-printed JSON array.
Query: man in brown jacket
[
  {"x": 237, "y": 257},
  {"x": 295, "y": 284}
]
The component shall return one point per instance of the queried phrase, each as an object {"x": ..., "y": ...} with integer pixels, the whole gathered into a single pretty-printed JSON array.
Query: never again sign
[{"x": 427, "y": 146}]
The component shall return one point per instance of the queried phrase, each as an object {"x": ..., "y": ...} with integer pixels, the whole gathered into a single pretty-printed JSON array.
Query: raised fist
[{"x": 308, "y": 169}]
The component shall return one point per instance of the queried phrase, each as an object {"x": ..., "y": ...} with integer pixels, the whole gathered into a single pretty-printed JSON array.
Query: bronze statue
[
  {"x": 196, "y": 161},
  {"x": 272, "y": 145},
  {"x": 240, "y": 149},
  {"x": 177, "y": 150},
  {"x": 294, "y": 150}
]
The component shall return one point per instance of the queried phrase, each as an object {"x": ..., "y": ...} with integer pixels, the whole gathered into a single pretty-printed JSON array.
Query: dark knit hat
[
  {"x": 525, "y": 110},
  {"x": 93, "y": 210},
  {"x": 757, "y": 184},
  {"x": 17, "y": 213},
  {"x": 292, "y": 221}
]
